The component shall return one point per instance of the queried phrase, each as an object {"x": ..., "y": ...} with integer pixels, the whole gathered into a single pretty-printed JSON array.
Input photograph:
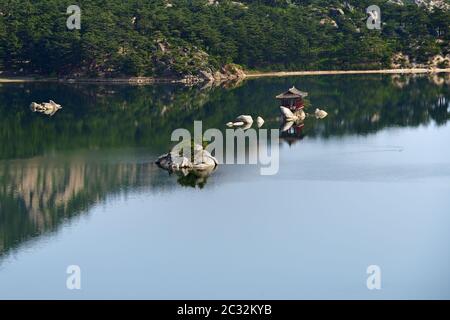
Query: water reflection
[
  {"x": 194, "y": 178},
  {"x": 38, "y": 194},
  {"x": 291, "y": 132},
  {"x": 54, "y": 169},
  {"x": 47, "y": 108}
]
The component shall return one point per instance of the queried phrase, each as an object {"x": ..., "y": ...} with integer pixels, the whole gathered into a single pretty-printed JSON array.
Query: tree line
[{"x": 179, "y": 37}]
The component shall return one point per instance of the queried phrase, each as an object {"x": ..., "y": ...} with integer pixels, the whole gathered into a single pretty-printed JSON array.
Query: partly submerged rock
[
  {"x": 204, "y": 159},
  {"x": 164, "y": 161},
  {"x": 48, "y": 108},
  {"x": 300, "y": 114},
  {"x": 244, "y": 118},
  {"x": 173, "y": 162},
  {"x": 242, "y": 121},
  {"x": 200, "y": 159},
  {"x": 288, "y": 115},
  {"x": 36, "y": 107},
  {"x": 238, "y": 123},
  {"x": 286, "y": 126},
  {"x": 51, "y": 108},
  {"x": 259, "y": 122},
  {"x": 180, "y": 162},
  {"x": 246, "y": 126},
  {"x": 320, "y": 114}
]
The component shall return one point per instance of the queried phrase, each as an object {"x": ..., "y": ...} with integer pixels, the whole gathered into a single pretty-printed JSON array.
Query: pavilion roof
[{"x": 292, "y": 93}]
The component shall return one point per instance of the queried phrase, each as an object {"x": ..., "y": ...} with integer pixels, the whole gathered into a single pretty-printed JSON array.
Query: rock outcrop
[
  {"x": 288, "y": 115},
  {"x": 440, "y": 62},
  {"x": 228, "y": 72},
  {"x": 243, "y": 121},
  {"x": 320, "y": 114},
  {"x": 176, "y": 160},
  {"x": 427, "y": 4},
  {"x": 48, "y": 108},
  {"x": 400, "y": 61}
]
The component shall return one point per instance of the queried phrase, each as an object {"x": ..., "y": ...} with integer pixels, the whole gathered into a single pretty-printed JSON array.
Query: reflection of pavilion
[{"x": 292, "y": 132}]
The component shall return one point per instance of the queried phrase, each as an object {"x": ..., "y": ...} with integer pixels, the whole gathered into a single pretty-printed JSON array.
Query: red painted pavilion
[{"x": 292, "y": 99}]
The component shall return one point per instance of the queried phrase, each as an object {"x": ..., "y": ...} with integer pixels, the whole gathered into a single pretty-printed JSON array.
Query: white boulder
[
  {"x": 259, "y": 122},
  {"x": 320, "y": 114},
  {"x": 288, "y": 115},
  {"x": 244, "y": 118},
  {"x": 176, "y": 161}
]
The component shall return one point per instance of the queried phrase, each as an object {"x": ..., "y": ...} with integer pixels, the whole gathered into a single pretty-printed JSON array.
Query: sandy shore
[
  {"x": 131, "y": 80},
  {"x": 6, "y": 80},
  {"x": 248, "y": 74},
  {"x": 315, "y": 73},
  {"x": 134, "y": 81}
]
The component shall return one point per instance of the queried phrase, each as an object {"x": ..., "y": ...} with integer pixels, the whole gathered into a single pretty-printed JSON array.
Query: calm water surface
[{"x": 368, "y": 185}]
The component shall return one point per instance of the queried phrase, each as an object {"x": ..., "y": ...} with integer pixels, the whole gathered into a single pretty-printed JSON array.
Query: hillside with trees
[{"x": 178, "y": 38}]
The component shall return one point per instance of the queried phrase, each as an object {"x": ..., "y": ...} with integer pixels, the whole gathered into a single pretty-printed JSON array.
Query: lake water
[{"x": 368, "y": 185}]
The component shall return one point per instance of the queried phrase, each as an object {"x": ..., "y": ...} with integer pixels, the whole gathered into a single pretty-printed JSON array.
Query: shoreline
[
  {"x": 131, "y": 80},
  {"x": 337, "y": 72},
  {"x": 248, "y": 75}
]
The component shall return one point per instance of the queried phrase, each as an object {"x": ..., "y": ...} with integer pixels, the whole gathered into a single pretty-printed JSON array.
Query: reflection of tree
[
  {"x": 37, "y": 195},
  {"x": 439, "y": 110},
  {"x": 291, "y": 132},
  {"x": 94, "y": 116}
]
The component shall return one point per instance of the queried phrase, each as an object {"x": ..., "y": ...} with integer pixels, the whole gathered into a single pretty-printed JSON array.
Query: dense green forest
[{"x": 173, "y": 38}]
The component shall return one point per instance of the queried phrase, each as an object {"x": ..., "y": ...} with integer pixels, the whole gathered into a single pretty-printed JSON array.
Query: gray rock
[
  {"x": 203, "y": 159},
  {"x": 320, "y": 114},
  {"x": 259, "y": 122},
  {"x": 244, "y": 118},
  {"x": 286, "y": 126},
  {"x": 48, "y": 108},
  {"x": 180, "y": 162},
  {"x": 288, "y": 115},
  {"x": 207, "y": 75},
  {"x": 164, "y": 161}
]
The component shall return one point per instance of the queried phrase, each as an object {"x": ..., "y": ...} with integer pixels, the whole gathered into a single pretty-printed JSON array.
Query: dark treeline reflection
[
  {"x": 38, "y": 194},
  {"x": 47, "y": 171},
  {"x": 116, "y": 116}
]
